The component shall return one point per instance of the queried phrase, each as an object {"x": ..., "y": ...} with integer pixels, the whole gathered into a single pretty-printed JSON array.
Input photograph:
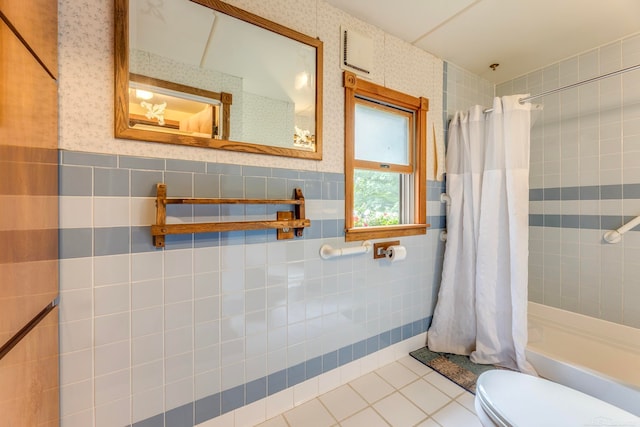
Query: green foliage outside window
[{"x": 376, "y": 198}]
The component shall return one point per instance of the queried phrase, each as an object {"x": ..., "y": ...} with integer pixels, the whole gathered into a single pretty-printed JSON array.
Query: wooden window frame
[{"x": 355, "y": 88}]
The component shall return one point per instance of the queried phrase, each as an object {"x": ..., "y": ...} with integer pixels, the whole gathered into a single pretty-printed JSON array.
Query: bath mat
[{"x": 455, "y": 367}]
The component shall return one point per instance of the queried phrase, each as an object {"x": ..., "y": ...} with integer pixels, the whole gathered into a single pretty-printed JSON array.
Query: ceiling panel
[
  {"x": 520, "y": 35},
  {"x": 415, "y": 19}
]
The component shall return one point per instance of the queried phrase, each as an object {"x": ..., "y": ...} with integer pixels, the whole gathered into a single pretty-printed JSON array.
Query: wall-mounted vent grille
[{"x": 356, "y": 52}]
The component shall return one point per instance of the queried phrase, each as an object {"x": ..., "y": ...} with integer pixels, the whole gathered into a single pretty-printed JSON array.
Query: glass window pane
[
  {"x": 376, "y": 198},
  {"x": 381, "y": 136}
]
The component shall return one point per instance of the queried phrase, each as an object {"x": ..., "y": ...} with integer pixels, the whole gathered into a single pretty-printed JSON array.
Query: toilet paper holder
[{"x": 381, "y": 250}]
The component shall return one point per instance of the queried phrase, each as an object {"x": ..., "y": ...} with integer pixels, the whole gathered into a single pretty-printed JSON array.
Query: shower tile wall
[
  {"x": 463, "y": 89},
  {"x": 585, "y": 180}
]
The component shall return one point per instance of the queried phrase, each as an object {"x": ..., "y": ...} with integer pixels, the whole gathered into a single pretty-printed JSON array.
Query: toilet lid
[{"x": 519, "y": 400}]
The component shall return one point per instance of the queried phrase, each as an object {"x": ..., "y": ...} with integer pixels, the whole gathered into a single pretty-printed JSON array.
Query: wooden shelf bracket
[{"x": 288, "y": 223}]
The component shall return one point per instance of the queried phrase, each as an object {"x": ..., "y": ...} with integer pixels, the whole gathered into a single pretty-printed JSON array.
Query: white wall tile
[
  {"x": 178, "y": 393},
  {"x": 75, "y": 336},
  {"x": 147, "y": 404},
  {"x": 111, "y": 299},
  {"x": 114, "y": 413},
  {"x": 112, "y": 269},
  {"x": 111, "y": 212},
  {"x": 76, "y": 273},
  {"x": 112, "y": 358},
  {"x": 75, "y": 212},
  {"x": 147, "y": 348},
  {"x": 76, "y": 305},
  {"x": 76, "y": 367},
  {"x": 112, "y": 387},
  {"x": 145, "y": 266},
  {"x": 79, "y": 419},
  {"x": 178, "y": 262},
  {"x": 143, "y": 211},
  {"x": 111, "y": 328},
  {"x": 76, "y": 397}
]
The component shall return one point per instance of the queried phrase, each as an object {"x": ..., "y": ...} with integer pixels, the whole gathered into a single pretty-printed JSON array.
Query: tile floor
[{"x": 402, "y": 394}]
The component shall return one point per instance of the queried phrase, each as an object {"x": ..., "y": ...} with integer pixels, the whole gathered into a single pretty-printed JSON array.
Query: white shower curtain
[{"x": 482, "y": 302}]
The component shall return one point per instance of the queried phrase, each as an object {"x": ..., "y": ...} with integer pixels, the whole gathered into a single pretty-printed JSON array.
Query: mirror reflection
[
  {"x": 161, "y": 106},
  {"x": 213, "y": 76}
]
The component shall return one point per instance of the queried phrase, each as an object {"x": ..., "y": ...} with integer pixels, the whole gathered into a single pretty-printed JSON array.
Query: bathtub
[{"x": 594, "y": 356}]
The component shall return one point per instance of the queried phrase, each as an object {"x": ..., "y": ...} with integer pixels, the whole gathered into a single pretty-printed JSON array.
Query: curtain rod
[{"x": 571, "y": 86}]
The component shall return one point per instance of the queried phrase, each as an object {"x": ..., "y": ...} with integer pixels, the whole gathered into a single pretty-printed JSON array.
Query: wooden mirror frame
[{"x": 121, "y": 107}]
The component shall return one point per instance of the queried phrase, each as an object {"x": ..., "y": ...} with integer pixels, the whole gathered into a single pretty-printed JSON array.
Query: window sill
[{"x": 368, "y": 233}]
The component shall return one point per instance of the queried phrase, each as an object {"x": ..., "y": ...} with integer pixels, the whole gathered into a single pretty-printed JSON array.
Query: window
[{"x": 385, "y": 161}]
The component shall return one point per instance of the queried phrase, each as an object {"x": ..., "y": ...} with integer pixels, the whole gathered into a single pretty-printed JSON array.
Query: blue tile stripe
[
  {"x": 589, "y": 192},
  {"x": 588, "y": 222},
  {"x": 105, "y": 241},
  {"x": 228, "y": 400},
  {"x": 86, "y": 174}
]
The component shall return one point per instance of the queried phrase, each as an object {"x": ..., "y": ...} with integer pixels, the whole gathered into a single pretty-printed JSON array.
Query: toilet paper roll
[{"x": 396, "y": 253}]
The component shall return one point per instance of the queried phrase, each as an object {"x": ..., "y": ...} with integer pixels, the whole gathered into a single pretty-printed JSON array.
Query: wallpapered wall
[
  {"x": 181, "y": 335},
  {"x": 86, "y": 86}
]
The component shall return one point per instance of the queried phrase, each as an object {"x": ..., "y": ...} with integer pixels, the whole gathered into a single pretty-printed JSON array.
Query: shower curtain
[{"x": 482, "y": 303}]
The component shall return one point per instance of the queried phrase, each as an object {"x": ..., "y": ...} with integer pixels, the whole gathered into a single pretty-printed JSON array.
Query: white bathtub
[{"x": 594, "y": 356}]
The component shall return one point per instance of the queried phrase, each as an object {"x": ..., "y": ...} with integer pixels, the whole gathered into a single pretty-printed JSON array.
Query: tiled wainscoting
[{"x": 216, "y": 321}]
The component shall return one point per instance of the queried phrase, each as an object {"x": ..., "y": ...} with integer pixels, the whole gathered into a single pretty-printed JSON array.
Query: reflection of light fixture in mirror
[
  {"x": 303, "y": 80},
  {"x": 144, "y": 94}
]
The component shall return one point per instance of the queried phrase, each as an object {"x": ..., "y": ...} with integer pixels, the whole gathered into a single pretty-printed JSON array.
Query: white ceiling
[{"x": 520, "y": 35}]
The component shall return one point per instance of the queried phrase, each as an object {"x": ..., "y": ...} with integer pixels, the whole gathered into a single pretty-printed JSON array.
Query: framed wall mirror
[{"x": 207, "y": 74}]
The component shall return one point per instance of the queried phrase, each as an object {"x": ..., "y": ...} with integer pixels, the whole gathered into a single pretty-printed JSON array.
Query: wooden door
[{"x": 28, "y": 213}]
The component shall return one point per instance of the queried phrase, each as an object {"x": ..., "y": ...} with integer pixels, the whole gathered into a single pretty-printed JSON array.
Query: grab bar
[
  {"x": 327, "y": 252},
  {"x": 615, "y": 236}
]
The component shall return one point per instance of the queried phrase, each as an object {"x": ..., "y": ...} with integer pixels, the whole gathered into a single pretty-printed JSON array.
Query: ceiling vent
[{"x": 356, "y": 52}]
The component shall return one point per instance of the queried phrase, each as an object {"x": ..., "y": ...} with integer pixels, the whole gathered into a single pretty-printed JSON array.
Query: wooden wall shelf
[{"x": 288, "y": 223}]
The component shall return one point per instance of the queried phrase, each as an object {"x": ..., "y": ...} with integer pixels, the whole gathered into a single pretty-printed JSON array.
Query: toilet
[{"x": 512, "y": 399}]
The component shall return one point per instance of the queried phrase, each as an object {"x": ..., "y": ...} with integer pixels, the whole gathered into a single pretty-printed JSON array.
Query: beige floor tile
[
  {"x": 274, "y": 422},
  {"x": 428, "y": 423},
  {"x": 456, "y": 415},
  {"x": 419, "y": 368},
  {"x": 310, "y": 414},
  {"x": 366, "y": 418},
  {"x": 398, "y": 411},
  {"x": 397, "y": 374},
  {"x": 467, "y": 400},
  {"x": 372, "y": 387},
  {"x": 426, "y": 396},
  {"x": 343, "y": 402},
  {"x": 444, "y": 384}
]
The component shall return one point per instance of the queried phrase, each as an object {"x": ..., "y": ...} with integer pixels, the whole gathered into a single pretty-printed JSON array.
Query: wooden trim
[
  {"x": 382, "y": 167},
  {"x": 121, "y": 109},
  {"x": 355, "y": 87},
  {"x": 139, "y": 78},
  {"x": 421, "y": 163},
  {"x": 369, "y": 89},
  {"x": 370, "y": 233},
  {"x": 350, "y": 81}
]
